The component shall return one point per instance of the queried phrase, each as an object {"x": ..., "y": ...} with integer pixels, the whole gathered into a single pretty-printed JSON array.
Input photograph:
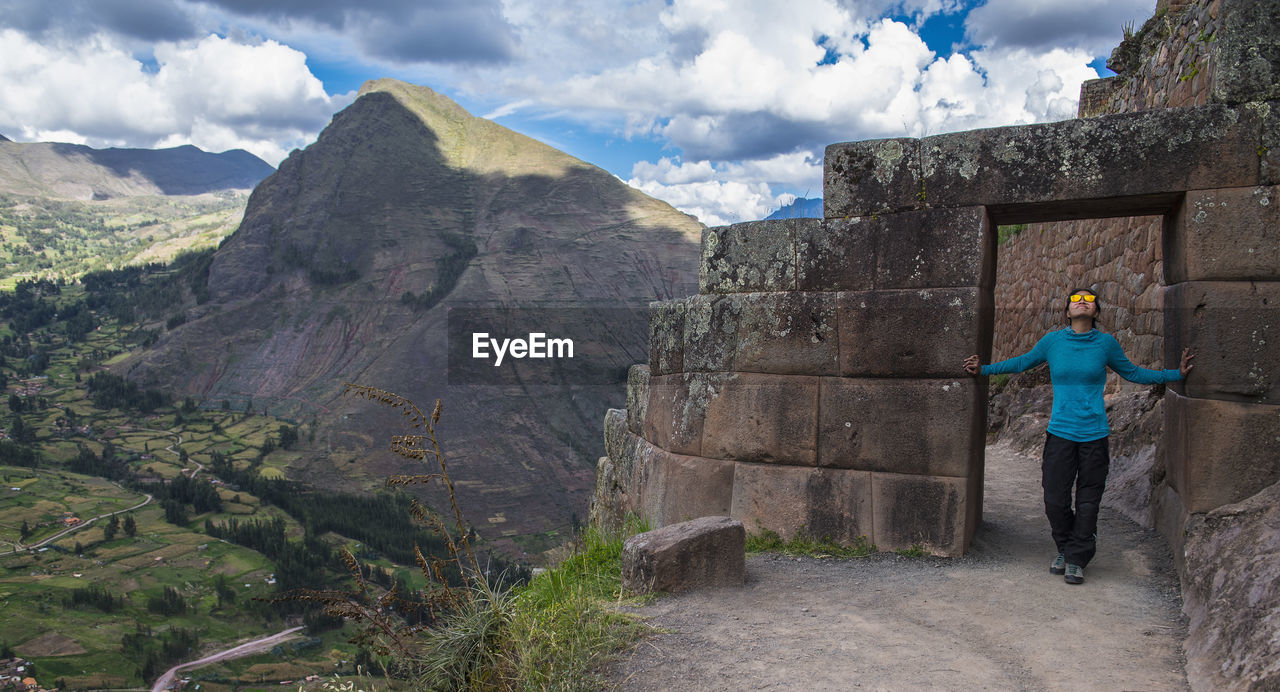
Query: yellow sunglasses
[{"x": 1088, "y": 299}]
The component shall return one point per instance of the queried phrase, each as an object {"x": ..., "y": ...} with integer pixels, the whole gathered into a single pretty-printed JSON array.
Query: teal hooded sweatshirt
[{"x": 1078, "y": 370}]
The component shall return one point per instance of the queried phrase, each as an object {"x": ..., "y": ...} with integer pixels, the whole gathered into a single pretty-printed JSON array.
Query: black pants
[{"x": 1084, "y": 465}]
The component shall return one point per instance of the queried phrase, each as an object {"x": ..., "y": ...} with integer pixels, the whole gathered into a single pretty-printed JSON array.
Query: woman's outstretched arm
[
  {"x": 1120, "y": 363},
  {"x": 1037, "y": 355}
]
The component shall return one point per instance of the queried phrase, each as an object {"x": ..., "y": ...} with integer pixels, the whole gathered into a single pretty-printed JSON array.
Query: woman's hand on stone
[
  {"x": 1186, "y": 365},
  {"x": 971, "y": 365}
]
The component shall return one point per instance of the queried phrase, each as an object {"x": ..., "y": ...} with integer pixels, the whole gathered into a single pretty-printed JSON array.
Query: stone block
[
  {"x": 1231, "y": 234},
  {"x": 711, "y": 333},
  {"x": 608, "y": 503},
  {"x": 615, "y": 432},
  {"x": 840, "y": 254},
  {"x": 765, "y": 418},
  {"x": 934, "y": 248},
  {"x": 705, "y": 552},
  {"x": 666, "y": 336},
  {"x": 1247, "y": 55},
  {"x": 925, "y": 511},
  {"x": 823, "y": 503},
  {"x": 685, "y": 487},
  {"x": 924, "y": 332},
  {"x": 1233, "y": 327},
  {"x": 1270, "y": 146},
  {"x": 1087, "y": 167},
  {"x": 786, "y": 333},
  {"x": 637, "y": 397},
  {"x": 871, "y": 177},
  {"x": 927, "y": 427},
  {"x": 673, "y": 418},
  {"x": 1219, "y": 452},
  {"x": 753, "y": 256}
]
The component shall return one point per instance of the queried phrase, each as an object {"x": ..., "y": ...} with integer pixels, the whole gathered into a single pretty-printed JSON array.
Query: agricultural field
[
  {"x": 63, "y": 238},
  {"x": 127, "y": 571}
]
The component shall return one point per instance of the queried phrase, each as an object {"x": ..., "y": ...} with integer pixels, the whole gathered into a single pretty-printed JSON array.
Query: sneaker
[
  {"x": 1059, "y": 565},
  {"x": 1074, "y": 574}
]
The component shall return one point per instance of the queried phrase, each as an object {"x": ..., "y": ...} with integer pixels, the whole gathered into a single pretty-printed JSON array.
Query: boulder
[
  {"x": 709, "y": 551},
  {"x": 1232, "y": 559}
]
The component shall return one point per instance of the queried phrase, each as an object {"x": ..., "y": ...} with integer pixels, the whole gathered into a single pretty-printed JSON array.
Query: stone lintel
[
  {"x": 928, "y": 427},
  {"x": 1219, "y": 452},
  {"x": 912, "y": 249},
  {"x": 1122, "y": 155},
  {"x": 1068, "y": 210},
  {"x": 1233, "y": 327},
  {"x": 1230, "y": 234},
  {"x": 925, "y": 332}
]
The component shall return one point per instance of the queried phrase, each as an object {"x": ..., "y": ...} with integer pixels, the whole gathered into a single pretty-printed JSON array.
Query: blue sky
[{"x": 721, "y": 107}]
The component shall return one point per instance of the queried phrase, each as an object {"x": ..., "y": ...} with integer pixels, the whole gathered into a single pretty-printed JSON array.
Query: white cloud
[
  {"x": 1093, "y": 26},
  {"x": 214, "y": 93},
  {"x": 722, "y": 193}
]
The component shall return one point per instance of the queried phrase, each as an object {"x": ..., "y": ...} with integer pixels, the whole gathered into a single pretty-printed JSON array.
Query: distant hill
[
  {"x": 351, "y": 259},
  {"x": 801, "y": 208},
  {"x": 53, "y": 170}
]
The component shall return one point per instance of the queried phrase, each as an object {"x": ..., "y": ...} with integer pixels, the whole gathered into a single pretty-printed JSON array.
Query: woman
[{"x": 1075, "y": 448}]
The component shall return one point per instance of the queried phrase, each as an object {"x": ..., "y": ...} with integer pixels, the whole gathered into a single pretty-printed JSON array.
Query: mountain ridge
[
  {"x": 405, "y": 195},
  {"x": 59, "y": 170}
]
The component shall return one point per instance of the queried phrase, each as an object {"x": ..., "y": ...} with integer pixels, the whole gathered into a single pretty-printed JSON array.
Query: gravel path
[{"x": 992, "y": 620}]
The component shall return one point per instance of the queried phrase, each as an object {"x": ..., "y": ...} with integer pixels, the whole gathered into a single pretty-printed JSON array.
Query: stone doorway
[{"x": 814, "y": 383}]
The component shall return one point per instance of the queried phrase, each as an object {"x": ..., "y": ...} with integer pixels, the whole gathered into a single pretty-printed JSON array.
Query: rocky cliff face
[{"x": 350, "y": 259}]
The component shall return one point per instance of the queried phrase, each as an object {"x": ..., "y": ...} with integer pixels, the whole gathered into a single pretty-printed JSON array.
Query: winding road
[{"x": 245, "y": 649}]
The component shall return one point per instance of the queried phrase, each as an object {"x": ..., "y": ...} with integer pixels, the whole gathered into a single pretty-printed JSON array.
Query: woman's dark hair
[{"x": 1097, "y": 304}]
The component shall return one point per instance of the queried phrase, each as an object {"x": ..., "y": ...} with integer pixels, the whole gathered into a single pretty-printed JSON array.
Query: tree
[
  {"x": 112, "y": 526},
  {"x": 26, "y": 529},
  {"x": 130, "y": 526},
  {"x": 20, "y": 432},
  {"x": 288, "y": 436},
  {"x": 226, "y": 594},
  {"x": 79, "y": 548}
]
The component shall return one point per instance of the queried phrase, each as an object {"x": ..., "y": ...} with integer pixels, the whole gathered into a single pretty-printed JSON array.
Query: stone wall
[
  {"x": 1168, "y": 63},
  {"x": 814, "y": 383}
]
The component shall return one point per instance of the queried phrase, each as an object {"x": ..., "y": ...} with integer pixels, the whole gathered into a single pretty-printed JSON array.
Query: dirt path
[
  {"x": 245, "y": 649},
  {"x": 992, "y": 620}
]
